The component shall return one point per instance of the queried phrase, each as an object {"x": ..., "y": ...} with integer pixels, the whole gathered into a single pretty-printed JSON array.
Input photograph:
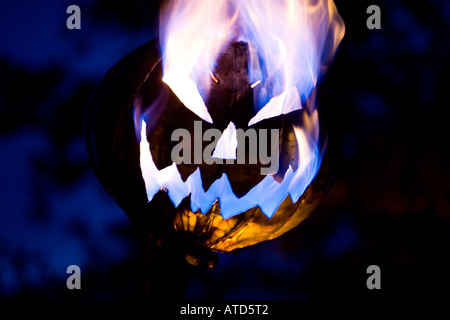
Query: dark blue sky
[{"x": 34, "y": 39}]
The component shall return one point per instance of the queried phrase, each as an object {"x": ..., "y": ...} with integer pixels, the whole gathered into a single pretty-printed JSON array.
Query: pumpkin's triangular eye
[
  {"x": 186, "y": 90},
  {"x": 284, "y": 103}
]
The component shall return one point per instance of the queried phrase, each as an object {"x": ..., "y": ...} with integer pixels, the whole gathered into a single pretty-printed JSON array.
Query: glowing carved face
[{"x": 237, "y": 65}]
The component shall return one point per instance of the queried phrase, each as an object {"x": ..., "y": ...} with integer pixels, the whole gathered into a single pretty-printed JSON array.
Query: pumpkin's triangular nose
[
  {"x": 227, "y": 144},
  {"x": 230, "y": 98}
]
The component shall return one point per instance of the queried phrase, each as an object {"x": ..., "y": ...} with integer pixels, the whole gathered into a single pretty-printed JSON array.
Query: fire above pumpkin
[{"x": 279, "y": 50}]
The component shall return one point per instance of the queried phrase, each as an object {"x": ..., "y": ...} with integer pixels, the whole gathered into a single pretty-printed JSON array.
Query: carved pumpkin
[{"x": 218, "y": 206}]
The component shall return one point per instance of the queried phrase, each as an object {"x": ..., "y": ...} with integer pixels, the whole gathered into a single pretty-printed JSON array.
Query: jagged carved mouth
[{"x": 266, "y": 194}]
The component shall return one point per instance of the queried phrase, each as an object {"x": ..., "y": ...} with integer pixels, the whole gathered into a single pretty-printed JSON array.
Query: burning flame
[{"x": 291, "y": 43}]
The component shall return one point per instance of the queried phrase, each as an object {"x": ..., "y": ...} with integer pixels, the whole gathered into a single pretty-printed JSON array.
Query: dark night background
[{"x": 389, "y": 205}]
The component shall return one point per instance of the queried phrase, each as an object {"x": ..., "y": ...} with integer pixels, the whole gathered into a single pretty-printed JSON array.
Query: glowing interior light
[
  {"x": 294, "y": 182},
  {"x": 227, "y": 144},
  {"x": 213, "y": 77},
  {"x": 254, "y": 84}
]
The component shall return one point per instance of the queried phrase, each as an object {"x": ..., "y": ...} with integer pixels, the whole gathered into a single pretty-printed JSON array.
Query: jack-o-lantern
[{"x": 152, "y": 130}]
